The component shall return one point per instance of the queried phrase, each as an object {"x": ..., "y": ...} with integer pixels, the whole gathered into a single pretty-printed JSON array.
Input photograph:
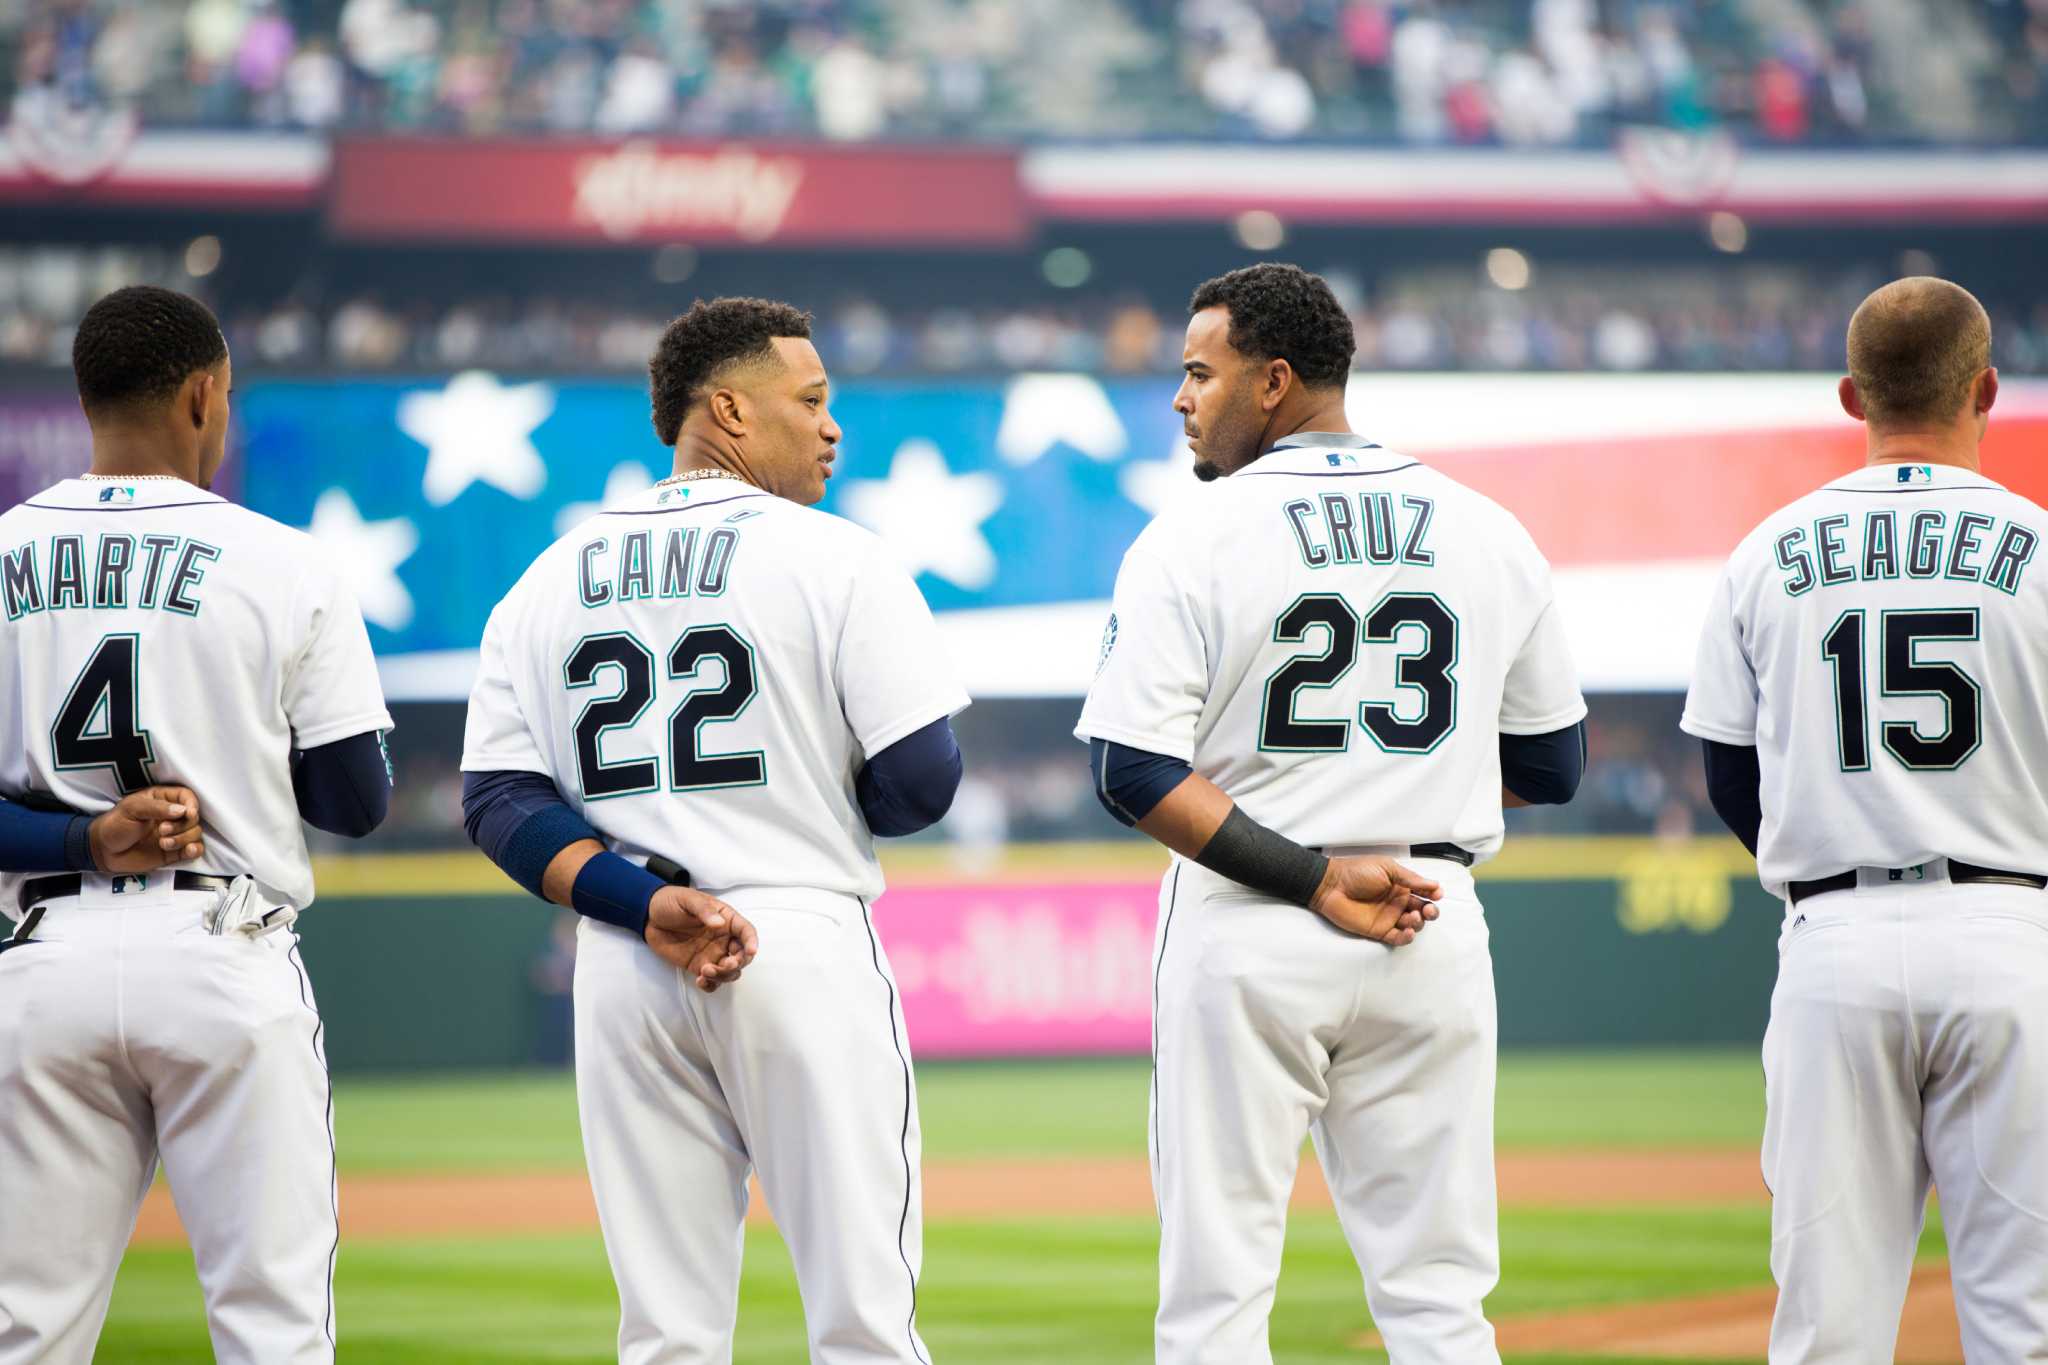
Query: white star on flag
[
  {"x": 1152, "y": 484},
  {"x": 368, "y": 554},
  {"x": 478, "y": 430},
  {"x": 1041, "y": 411},
  {"x": 627, "y": 481},
  {"x": 931, "y": 516}
]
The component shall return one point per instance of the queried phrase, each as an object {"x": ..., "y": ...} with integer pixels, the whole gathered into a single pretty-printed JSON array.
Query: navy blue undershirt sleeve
[
  {"x": 910, "y": 785},
  {"x": 1131, "y": 782},
  {"x": 1735, "y": 786},
  {"x": 1545, "y": 769},
  {"x": 521, "y": 823},
  {"x": 344, "y": 787},
  {"x": 43, "y": 840}
]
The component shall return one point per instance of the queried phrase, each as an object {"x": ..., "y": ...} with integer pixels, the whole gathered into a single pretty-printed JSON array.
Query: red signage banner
[{"x": 656, "y": 191}]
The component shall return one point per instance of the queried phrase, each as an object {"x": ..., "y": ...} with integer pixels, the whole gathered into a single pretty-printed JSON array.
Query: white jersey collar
[
  {"x": 107, "y": 494},
  {"x": 1329, "y": 453},
  {"x": 683, "y": 496},
  {"x": 1908, "y": 477}
]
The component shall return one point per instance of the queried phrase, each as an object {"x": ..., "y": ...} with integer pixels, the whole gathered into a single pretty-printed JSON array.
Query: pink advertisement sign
[{"x": 1000, "y": 969}]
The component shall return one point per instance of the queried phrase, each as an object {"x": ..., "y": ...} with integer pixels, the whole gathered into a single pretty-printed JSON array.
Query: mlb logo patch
[
  {"x": 118, "y": 493},
  {"x": 1916, "y": 473},
  {"x": 123, "y": 885},
  {"x": 1338, "y": 461},
  {"x": 669, "y": 495}
]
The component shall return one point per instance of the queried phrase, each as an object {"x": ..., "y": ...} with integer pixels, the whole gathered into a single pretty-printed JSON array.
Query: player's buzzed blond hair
[{"x": 1914, "y": 347}]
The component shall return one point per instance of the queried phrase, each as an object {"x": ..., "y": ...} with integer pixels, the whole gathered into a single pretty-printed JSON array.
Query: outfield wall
[{"x": 435, "y": 961}]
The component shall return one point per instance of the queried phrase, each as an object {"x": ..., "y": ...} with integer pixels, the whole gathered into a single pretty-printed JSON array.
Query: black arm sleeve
[
  {"x": 344, "y": 787},
  {"x": 1735, "y": 786},
  {"x": 1544, "y": 770}
]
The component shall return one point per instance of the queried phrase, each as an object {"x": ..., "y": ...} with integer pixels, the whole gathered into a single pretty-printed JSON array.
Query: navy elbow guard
[{"x": 1544, "y": 770}]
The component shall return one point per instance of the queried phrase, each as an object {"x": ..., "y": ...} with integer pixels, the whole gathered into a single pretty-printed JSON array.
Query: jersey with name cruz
[{"x": 1337, "y": 636}]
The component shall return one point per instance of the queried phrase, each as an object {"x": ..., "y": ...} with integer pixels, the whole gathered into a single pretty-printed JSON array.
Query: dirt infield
[
  {"x": 1721, "y": 1326},
  {"x": 1734, "y": 1326},
  {"x": 450, "y": 1205}
]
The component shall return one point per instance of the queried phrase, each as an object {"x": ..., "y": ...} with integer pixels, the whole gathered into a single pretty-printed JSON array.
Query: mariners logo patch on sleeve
[{"x": 1108, "y": 643}]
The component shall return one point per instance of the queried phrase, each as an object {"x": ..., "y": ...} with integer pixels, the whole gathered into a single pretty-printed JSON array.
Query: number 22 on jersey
[{"x": 632, "y": 665}]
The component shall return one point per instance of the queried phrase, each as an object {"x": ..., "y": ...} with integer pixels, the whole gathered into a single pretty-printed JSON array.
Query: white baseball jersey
[
  {"x": 1883, "y": 642},
  {"x": 703, "y": 672},
  {"x": 157, "y": 633},
  {"x": 1337, "y": 636}
]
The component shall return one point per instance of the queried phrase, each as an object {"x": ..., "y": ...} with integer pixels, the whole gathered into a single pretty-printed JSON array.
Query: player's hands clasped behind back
[
  {"x": 1376, "y": 898},
  {"x": 701, "y": 935},
  {"x": 155, "y": 827}
]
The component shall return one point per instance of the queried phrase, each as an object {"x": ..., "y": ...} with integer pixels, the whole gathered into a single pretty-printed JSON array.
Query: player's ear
[
  {"x": 1279, "y": 379},
  {"x": 1985, "y": 390},
  {"x": 1852, "y": 401},
  {"x": 198, "y": 396},
  {"x": 729, "y": 411}
]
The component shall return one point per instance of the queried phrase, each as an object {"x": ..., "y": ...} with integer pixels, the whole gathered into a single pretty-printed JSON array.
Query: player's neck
[
  {"x": 1325, "y": 417},
  {"x": 122, "y": 453},
  {"x": 696, "y": 453},
  {"x": 1923, "y": 447}
]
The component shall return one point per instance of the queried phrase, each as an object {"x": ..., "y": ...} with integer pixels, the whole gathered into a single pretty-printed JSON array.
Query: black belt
[
  {"x": 1959, "y": 872},
  {"x": 1448, "y": 852},
  {"x": 71, "y": 883}
]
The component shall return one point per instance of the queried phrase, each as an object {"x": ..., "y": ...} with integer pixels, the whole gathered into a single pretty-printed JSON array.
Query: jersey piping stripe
[
  {"x": 686, "y": 507},
  {"x": 903, "y": 1142},
  {"x": 1158, "y": 1150},
  {"x": 333, "y": 1159},
  {"x": 1340, "y": 474},
  {"x": 1924, "y": 488},
  {"x": 138, "y": 507}
]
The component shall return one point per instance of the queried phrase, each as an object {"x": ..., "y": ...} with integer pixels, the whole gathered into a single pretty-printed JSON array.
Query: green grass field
[{"x": 1079, "y": 1291}]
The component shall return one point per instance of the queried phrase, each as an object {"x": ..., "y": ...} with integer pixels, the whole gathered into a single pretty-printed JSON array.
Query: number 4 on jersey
[{"x": 98, "y": 726}]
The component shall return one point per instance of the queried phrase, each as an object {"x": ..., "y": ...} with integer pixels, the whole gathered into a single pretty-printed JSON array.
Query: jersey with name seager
[
  {"x": 703, "y": 672},
  {"x": 1883, "y": 643},
  {"x": 1337, "y": 636},
  {"x": 155, "y": 632}
]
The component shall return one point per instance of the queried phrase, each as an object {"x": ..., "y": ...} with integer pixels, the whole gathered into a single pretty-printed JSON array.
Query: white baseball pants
[
  {"x": 1909, "y": 1042},
  {"x": 129, "y": 1034},
  {"x": 1270, "y": 1024},
  {"x": 799, "y": 1071}
]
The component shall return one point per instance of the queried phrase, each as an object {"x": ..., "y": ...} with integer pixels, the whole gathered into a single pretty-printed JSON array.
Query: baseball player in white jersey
[
  {"x": 1873, "y": 689},
  {"x": 155, "y": 633},
  {"x": 717, "y": 676},
  {"x": 1318, "y": 673}
]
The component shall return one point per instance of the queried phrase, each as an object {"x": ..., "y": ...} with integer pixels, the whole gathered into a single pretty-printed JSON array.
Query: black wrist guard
[{"x": 1247, "y": 852}]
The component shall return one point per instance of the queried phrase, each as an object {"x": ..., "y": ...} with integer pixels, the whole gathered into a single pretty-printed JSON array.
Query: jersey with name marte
[
  {"x": 1883, "y": 642},
  {"x": 1337, "y": 636},
  {"x": 703, "y": 672},
  {"x": 157, "y": 633}
]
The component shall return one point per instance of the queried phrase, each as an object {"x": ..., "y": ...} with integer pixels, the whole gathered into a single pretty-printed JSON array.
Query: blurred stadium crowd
[
  {"x": 1551, "y": 72},
  {"x": 1760, "y": 316}
]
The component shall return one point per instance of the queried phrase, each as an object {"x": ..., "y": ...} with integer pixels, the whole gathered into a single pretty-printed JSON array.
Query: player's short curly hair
[
  {"x": 137, "y": 345},
  {"x": 698, "y": 346},
  {"x": 1282, "y": 312}
]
